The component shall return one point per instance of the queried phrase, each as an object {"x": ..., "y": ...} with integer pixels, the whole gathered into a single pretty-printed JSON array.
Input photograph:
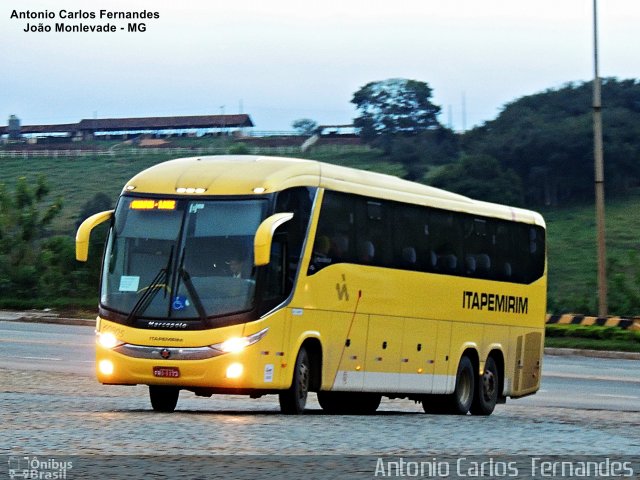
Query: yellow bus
[{"x": 261, "y": 275}]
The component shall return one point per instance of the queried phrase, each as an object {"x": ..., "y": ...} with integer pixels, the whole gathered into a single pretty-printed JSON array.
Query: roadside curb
[
  {"x": 38, "y": 316},
  {"x": 591, "y": 353}
]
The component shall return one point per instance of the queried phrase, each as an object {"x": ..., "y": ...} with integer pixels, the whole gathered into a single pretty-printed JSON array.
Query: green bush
[{"x": 239, "y": 149}]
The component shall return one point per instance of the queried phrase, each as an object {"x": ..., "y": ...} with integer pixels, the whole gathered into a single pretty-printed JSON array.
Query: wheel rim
[
  {"x": 488, "y": 384},
  {"x": 466, "y": 384}
]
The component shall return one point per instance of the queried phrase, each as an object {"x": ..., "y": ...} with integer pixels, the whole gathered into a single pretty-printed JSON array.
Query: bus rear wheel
[
  {"x": 349, "y": 403},
  {"x": 486, "y": 393},
  {"x": 293, "y": 400},
  {"x": 163, "y": 398},
  {"x": 459, "y": 402}
]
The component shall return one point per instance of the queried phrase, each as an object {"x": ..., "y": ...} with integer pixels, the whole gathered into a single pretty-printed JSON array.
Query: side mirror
[
  {"x": 264, "y": 237},
  {"x": 84, "y": 232}
]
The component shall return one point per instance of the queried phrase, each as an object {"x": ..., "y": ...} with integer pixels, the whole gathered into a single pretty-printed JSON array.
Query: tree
[
  {"x": 393, "y": 107},
  {"x": 547, "y": 139},
  {"x": 480, "y": 177},
  {"x": 305, "y": 126},
  {"x": 96, "y": 204},
  {"x": 24, "y": 217},
  {"x": 417, "y": 153}
]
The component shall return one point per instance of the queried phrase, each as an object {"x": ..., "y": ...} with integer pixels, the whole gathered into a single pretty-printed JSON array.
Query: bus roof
[{"x": 253, "y": 175}]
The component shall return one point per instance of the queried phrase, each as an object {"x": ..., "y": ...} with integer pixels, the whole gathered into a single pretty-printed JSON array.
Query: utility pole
[{"x": 599, "y": 173}]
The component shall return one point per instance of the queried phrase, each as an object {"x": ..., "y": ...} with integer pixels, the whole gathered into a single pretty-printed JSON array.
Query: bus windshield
[{"x": 181, "y": 259}]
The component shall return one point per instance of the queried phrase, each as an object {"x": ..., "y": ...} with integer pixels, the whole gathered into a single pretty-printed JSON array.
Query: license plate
[{"x": 170, "y": 372}]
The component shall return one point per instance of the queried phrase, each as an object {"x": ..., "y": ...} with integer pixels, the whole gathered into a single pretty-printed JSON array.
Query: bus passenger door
[
  {"x": 384, "y": 346},
  {"x": 417, "y": 362}
]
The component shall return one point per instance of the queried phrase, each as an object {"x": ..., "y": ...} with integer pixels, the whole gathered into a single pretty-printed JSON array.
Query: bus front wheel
[
  {"x": 294, "y": 399},
  {"x": 486, "y": 394},
  {"x": 163, "y": 398}
]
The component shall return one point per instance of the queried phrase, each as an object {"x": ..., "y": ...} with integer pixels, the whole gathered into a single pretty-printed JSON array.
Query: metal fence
[{"x": 173, "y": 151}]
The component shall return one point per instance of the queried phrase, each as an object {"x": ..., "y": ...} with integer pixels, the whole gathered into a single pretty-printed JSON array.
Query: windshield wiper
[
  {"x": 151, "y": 290},
  {"x": 193, "y": 293}
]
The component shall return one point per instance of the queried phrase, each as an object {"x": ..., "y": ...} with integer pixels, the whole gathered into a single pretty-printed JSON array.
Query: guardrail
[
  {"x": 632, "y": 323},
  {"x": 254, "y": 150}
]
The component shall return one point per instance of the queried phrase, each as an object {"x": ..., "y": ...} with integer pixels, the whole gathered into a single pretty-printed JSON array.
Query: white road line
[
  {"x": 608, "y": 395},
  {"x": 578, "y": 376},
  {"x": 42, "y": 358}
]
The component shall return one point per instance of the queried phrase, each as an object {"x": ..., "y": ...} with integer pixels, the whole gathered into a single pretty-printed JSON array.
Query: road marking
[
  {"x": 579, "y": 376},
  {"x": 42, "y": 358},
  {"x": 608, "y": 395},
  {"x": 45, "y": 342}
]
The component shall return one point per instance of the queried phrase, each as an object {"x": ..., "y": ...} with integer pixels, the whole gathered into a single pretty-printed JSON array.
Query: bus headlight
[
  {"x": 108, "y": 340},
  {"x": 237, "y": 344}
]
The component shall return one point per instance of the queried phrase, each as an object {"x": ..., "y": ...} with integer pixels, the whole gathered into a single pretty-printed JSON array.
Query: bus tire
[
  {"x": 486, "y": 392},
  {"x": 456, "y": 403},
  {"x": 462, "y": 397},
  {"x": 294, "y": 399},
  {"x": 348, "y": 403},
  {"x": 163, "y": 398}
]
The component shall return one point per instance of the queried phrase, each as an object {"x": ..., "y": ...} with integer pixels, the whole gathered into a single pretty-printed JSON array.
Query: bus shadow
[{"x": 264, "y": 413}]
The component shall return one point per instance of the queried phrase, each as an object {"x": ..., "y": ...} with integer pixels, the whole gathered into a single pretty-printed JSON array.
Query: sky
[{"x": 282, "y": 60}]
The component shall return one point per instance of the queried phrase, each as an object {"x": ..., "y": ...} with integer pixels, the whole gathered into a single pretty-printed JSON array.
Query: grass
[
  {"x": 592, "y": 344},
  {"x": 571, "y": 241},
  {"x": 592, "y": 338}
]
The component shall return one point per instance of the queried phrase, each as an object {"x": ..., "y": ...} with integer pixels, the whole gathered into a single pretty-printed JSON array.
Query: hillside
[
  {"x": 571, "y": 230},
  {"x": 573, "y": 262},
  {"x": 77, "y": 179}
]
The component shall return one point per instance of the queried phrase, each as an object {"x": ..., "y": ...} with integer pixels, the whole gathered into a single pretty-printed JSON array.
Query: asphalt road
[
  {"x": 576, "y": 382},
  {"x": 50, "y": 404}
]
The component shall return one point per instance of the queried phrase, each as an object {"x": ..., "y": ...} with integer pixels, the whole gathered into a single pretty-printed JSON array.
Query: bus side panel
[
  {"x": 266, "y": 366},
  {"x": 441, "y": 378},
  {"x": 384, "y": 346},
  {"x": 527, "y": 362},
  {"x": 417, "y": 362},
  {"x": 344, "y": 350}
]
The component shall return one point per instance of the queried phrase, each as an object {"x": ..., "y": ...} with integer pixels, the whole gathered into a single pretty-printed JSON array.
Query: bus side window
[
  {"x": 372, "y": 230},
  {"x": 536, "y": 253},
  {"x": 297, "y": 201},
  {"x": 276, "y": 285},
  {"x": 333, "y": 242},
  {"x": 504, "y": 252},
  {"x": 410, "y": 231},
  {"x": 478, "y": 247},
  {"x": 446, "y": 242}
]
